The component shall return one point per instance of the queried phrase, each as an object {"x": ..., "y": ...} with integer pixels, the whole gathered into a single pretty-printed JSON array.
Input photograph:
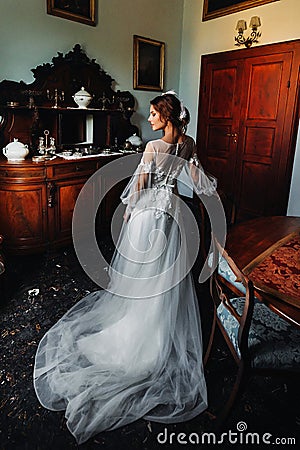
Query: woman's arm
[
  {"x": 145, "y": 173},
  {"x": 139, "y": 181},
  {"x": 204, "y": 183}
]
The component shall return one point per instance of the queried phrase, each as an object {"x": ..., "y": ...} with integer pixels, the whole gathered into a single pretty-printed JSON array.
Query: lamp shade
[
  {"x": 241, "y": 25},
  {"x": 255, "y": 22}
]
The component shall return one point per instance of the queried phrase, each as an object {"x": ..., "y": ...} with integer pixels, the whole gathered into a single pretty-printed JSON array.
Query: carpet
[{"x": 42, "y": 288}]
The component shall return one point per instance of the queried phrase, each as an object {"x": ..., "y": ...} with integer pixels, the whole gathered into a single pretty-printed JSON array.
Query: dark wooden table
[{"x": 247, "y": 240}]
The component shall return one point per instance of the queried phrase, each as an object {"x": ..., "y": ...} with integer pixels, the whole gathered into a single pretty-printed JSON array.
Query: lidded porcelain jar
[
  {"x": 15, "y": 151},
  {"x": 82, "y": 98},
  {"x": 135, "y": 140}
]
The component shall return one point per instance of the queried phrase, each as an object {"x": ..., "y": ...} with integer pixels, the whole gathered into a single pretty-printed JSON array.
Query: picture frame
[
  {"x": 83, "y": 11},
  {"x": 218, "y": 8},
  {"x": 148, "y": 64}
]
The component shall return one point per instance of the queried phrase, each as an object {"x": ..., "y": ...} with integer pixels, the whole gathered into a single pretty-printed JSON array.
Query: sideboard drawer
[
  {"x": 74, "y": 168},
  {"x": 24, "y": 173}
]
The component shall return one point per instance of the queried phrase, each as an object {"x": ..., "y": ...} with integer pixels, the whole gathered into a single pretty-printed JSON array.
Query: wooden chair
[
  {"x": 204, "y": 223},
  {"x": 259, "y": 340},
  {"x": 229, "y": 207}
]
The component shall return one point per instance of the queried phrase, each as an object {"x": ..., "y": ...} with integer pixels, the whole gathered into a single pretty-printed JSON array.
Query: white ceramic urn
[
  {"x": 82, "y": 98},
  {"x": 135, "y": 140},
  {"x": 15, "y": 151}
]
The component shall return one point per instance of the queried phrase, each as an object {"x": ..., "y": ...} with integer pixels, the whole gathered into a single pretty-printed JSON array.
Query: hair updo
[{"x": 172, "y": 109}]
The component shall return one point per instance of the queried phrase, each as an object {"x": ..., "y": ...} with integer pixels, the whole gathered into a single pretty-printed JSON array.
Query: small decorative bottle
[
  {"x": 52, "y": 146},
  {"x": 41, "y": 147}
]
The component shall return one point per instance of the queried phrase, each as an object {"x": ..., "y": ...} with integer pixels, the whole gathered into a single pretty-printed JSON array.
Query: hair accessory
[
  {"x": 170, "y": 92},
  {"x": 182, "y": 114}
]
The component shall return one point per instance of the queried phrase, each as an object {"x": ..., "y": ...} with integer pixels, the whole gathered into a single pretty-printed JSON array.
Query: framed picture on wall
[
  {"x": 77, "y": 10},
  {"x": 217, "y": 8},
  {"x": 148, "y": 64}
]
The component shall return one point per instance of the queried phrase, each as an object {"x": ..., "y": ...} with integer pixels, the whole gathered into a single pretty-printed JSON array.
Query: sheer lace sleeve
[
  {"x": 141, "y": 179},
  {"x": 203, "y": 183}
]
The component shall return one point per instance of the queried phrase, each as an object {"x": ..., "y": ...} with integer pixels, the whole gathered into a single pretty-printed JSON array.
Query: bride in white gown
[{"x": 134, "y": 350}]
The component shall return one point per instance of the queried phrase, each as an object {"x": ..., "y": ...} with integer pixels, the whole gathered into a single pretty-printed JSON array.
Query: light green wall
[
  {"x": 29, "y": 37},
  {"x": 280, "y": 22}
]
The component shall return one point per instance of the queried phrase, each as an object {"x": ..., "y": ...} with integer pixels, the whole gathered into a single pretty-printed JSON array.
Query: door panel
[
  {"x": 255, "y": 178},
  {"x": 259, "y": 143},
  {"x": 222, "y": 92},
  {"x": 218, "y": 120},
  {"x": 23, "y": 214},
  {"x": 260, "y": 134},
  {"x": 264, "y": 88},
  {"x": 65, "y": 199}
]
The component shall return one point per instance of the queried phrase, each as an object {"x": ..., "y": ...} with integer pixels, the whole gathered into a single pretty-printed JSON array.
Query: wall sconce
[{"x": 241, "y": 26}]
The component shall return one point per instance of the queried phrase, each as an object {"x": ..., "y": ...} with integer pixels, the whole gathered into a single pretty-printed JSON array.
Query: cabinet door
[
  {"x": 246, "y": 122},
  {"x": 23, "y": 217},
  {"x": 63, "y": 195},
  {"x": 110, "y": 202}
]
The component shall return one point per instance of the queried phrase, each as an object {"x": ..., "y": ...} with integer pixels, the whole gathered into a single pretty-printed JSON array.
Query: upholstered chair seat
[{"x": 273, "y": 343}]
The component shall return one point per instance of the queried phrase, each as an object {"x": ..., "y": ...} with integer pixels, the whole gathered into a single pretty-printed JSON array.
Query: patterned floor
[{"x": 42, "y": 288}]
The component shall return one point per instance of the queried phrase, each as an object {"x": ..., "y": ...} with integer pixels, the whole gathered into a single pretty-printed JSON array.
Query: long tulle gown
[{"x": 135, "y": 349}]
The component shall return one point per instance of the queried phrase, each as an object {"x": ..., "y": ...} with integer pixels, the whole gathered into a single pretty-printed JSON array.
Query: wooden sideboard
[{"x": 37, "y": 201}]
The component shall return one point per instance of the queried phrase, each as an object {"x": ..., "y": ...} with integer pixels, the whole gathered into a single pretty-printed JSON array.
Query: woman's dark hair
[{"x": 170, "y": 108}]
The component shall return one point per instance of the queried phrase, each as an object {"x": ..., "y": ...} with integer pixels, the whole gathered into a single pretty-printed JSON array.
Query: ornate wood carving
[
  {"x": 68, "y": 73},
  {"x": 21, "y": 103}
]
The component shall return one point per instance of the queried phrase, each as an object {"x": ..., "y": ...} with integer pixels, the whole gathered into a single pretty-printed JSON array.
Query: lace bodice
[
  {"x": 160, "y": 167},
  {"x": 162, "y": 179}
]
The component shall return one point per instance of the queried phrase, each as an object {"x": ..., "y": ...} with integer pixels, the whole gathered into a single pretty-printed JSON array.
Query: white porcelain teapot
[
  {"x": 82, "y": 98},
  {"x": 15, "y": 151}
]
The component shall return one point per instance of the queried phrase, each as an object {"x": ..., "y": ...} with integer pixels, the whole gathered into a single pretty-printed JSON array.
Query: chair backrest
[
  {"x": 222, "y": 294},
  {"x": 229, "y": 207},
  {"x": 202, "y": 219}
]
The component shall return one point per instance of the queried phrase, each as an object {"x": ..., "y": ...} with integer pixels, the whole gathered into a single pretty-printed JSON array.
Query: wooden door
[
  {"x": 219, "y": 119},
  {"x": 260, "y": 135},
  {"x": 247, "y": 123}
]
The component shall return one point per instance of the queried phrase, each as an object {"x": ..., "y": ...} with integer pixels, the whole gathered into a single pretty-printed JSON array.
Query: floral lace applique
[
  {"x": 195, "y": 160},
  {"x": 146, "y": 167},
  {"x": 162, "y": 190}
]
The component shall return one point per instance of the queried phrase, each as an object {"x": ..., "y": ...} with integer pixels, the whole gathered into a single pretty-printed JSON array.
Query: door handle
[{"x": 234, "y": 135}]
